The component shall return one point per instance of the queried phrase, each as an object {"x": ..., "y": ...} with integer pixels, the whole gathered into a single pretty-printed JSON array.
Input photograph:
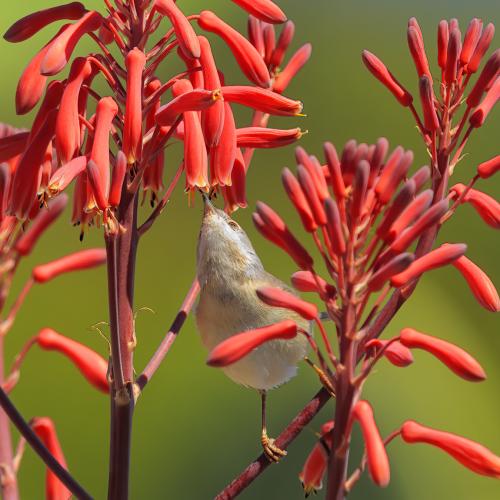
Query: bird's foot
[
  {"x": 272, "y": 452},
  {"x": 324, "y": 379}
]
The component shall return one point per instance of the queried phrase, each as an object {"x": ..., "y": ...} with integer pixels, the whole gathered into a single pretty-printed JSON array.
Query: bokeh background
[{"x": 194, "y": 429}]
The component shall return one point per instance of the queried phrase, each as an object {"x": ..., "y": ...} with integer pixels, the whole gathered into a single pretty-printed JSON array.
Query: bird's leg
[
  {"x": 273, "y": 453},
  {"x": 323, "y": 377}
]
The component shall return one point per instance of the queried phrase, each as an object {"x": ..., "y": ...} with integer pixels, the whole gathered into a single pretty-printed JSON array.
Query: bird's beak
[{"x": 208, "y": 206}]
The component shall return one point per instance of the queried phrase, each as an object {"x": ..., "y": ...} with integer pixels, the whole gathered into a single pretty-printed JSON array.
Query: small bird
[{"x": 229, "y": 273}]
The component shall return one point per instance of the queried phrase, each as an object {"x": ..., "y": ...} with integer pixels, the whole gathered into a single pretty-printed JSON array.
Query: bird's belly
[{"x": 267, "y": 366}]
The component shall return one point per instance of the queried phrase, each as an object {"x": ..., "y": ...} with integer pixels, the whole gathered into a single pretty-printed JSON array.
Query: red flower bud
[
  {"x": 486, "y": 206},
  {"x": 359, "y": 190},
  {"x": 481, "y": 286},
  {"x": 441, "y": 256},
  {"x": 421, "y": 176},
  {"x": 60, "y": 50},
  {"x": 277, "y": 297},
  {"x": 489, "y": 167},
  {"x": 284, "y": 41},
  {"x": 195, "y": 152},
  {"x": 44, "y": 428},
  {"x": 265, "y": 10},
  {"x": 236, "y": 347},
  {"x": 393, "y": 172},
  {"x": 334, "y": 227},
  {"x": 442, "y": 40},
  {"x": 336, "y": 178},
  {"x": 396, "y": 353},
  {"x": 132, "y": 128},
  {"x": 271, "y": 226},
  {"x": 431, "y": 120},
  {"x": 186, "y": 36},
  {"x": 40, "y": 224},
  {"x": 63, "y": 176},
  {"x": 487, "y": 76},
  {"x": 263, "y": 100},
  {"x": 395, "y": 266},
  {"x": 255, "y": 34},
  {"x": 306, "y": 281},
  {"x": 294, "y": 65},
  {"x": 472, "y": 455},
  {"x": 417, "y": 50},
  {"x": 481, "y": 48},
  {"x": 297, "y": 197},
  {"x": 85, "y": 259},
  {"x": 470, "y": 40},
  {"x": 481, "y": 112},
  {"x": 311, "y": 193},
  {"x": 246, "y": 55},
  {"x": 194, "y": 100},
  {"x": 452, "y": 57},
  {"x": 91, "y": 365},
  {"x": 269, "y": 42},
  {"x": 456, "y": 359},
  {"x": 378, "y": 462},
  {"x": 263, "y": 137},
  {"x": 119, "y": 172},
  {"x": 30, "y": 25},
  {"x": 378, "y": 69}
]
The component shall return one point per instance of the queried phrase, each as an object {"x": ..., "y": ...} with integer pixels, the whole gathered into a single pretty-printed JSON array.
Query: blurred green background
[{"x": 194, "y": 429}]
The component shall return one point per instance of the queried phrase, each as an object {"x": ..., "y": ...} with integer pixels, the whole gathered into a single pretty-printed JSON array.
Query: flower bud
[
  {"x": 481, "y": 112},
  {"x": 442, "y": 41},
  {"x": 470, "y": 40},
  {"x": 486, "y": 206},
  {"x": 98, "y": 188},
  {"x": 396, "y": 353},
  {"x": 481, "y": 48},
  {"x": 306, "y": 281},
  {"x": 452, "y": 57},
  {"x": 431, "y": 121},
  {"x": 421, "y": 176},
  {"x": 455, "y": 358},
  {"x": 311, "y": 193},
  {"x": 395, "y": 266},
  {"x": 297, "y": 197},
  {"x": 334, "y": 227},
  {"x": 336, "y": 178},
  {"x": 489, "y": 167},
  {"x": 277, "y": 297},
  {"x": 119, "y": 172},
  {"x": 417, "y": 50},
  {"x": 488, "y": 75},
  {"x": 263, "y": 137},
  {"x": 238, "y": 346},
  {"x": 284, "y": 41},
  {"x": 472, "y": 455},
  {"x": 265, "y": 10},
  {"x": 294, "y": 65},
  {"x": 85, "y": 259}
]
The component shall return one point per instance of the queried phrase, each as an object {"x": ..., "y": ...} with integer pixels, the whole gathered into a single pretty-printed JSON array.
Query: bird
[{"x": 229, "y": 272}]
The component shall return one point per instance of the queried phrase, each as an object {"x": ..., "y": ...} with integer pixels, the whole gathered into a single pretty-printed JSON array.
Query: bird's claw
[{"x": 272, "y": 452}]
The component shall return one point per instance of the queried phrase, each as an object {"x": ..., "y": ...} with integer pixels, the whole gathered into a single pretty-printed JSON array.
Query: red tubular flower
[
  {"x": 487, "y": 76},
  {"x": 132, "y": 128},
  {"x": 96, "y": 183},
  {"x": 263, "y": 137},
  {"x": 44, "y": 219},
  {"x": 51, "y": 100},
  {"x": 359, "y": 189},
  {"x": 489, "y": 167},
  {"x": 481, "y": 112},
  {"x": 195, "y": 152},
  {"x": 378, "y": 462},
  {"x": 60, "y": 50},
  {"x": 452, "y": 57},
  {"x": 284, "y": 41},
  {"x": 265, "y": 10},
  {"x": 263, "y": 100},
  {"x": 442, "y": 41},
  {"x": 91, "y": 365},
  {"x": 44, "y": 428},
  {"x": 272, "y": 227},
  {"x": 85, "y": 259},
  {"x": 312, "y": 165},
  {"x": 456, "y": 359},
  {"x": 241, "y": 344},
  {"x": 472, "y": 455},
  {"x": 481, "y": 286},
  {"x": 395, "y": 352},
  {"x": 194, "y": 100},
  {"x": 431, "y": 120},
  {"x": 441, "y": 256},
  {"x": 223, "y": 154},
  {"x": 30, "y": 25},
  {"x": 486, "y": 206},
  {"x": 481, "y": 48},
  {"x": 393, "y": 173},
  {"x": 378, "y": 69},
  {"x": 336, "y": 178},
  {"x": 294, "y": 65},
  {"x": 470, "y": 40},
  {"x": 277, "y": 297},
  {"x": 297, "y": 197},
  {"x": 395, "y": 266},
  {"x": 213, "y": 117},
  {"x": 68, "y": 124},
  {"x": 255, "y": 34},
  {"x": 426, "y": 220},
  {"x": 186, "y": 36},
  {"x": 13, "y": 145},
  {"x": 311, "y": 193},
  {"x": 63, "y": 176},
  {"x": 28, "y": 172},
  {"x": 269, "y": 42},
  {"x": 306, "y": 281},
  {"x": 334, "y": 227},
  {"x": 416, "y": 45},
  {"x": 119, "y": 172},
  {"x": 246, "y": 55},
  {"x": 421, "y": 176}
]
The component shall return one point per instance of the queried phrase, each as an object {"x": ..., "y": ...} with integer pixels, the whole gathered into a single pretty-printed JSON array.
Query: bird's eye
[{"x": 233, "y": 225}]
